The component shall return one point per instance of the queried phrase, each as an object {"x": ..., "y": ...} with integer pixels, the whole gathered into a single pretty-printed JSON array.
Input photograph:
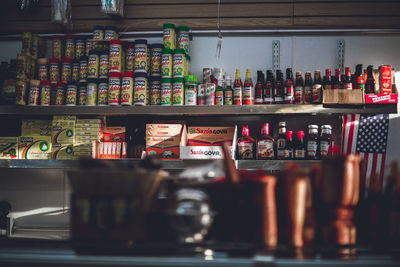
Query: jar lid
[
  {"x": 103, "y": 80},
  {"x": 70, "y": 37},
  {"x": 114, "y": 74},
  {"x": 53, "y": 60},
  {"x": 34, "y": 82},
  {"x": 114, "y": 41},
  {"x": 111, "y": 28},
  {"x": 72, "y": 83},
  {"x": 312, "y": 126},
  {"x": 84, "y": 58},
  {"x": 60, "y": 84},
  {"x": 282, "y": 124},
  {"x": 93, "y": 52},
  {"x": 67, "y": 60},
  {"x": 177, "y": 80},
  {"x": 169, "y": 26},
  {"x": 104, "y": 53},
  {"x": 131, "y": 45},
  {"x": 128, "y": 74},
  {"x": 179, "y": 51},
  {"x": 167, "y": 51},
  {"x": 92, "y": 80},
  {"x": 42, "y": 61},
  {"x": 183, "y": 28},
  {"x": 82, "y": 84},
  {"x": 157, "y": 46},
  {"x": 140, "y": 75},
  {"x": 45, "y": 83},
  {"x": 140, "y": 41},
  {"x": 98, "y": 27},
  {"x": 326, "y": 127},
  {"x": 155, "y": 78},
  {"x": 57, "y": 37},
  {"x": 191, "y": 78}
]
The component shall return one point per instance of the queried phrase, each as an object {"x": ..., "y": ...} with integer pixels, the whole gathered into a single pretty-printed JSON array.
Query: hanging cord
[{"x": 219, "y": 42}]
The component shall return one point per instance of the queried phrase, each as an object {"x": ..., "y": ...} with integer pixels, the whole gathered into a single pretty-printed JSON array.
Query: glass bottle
[
  {"x": 248, "y": 98},
  {"x": 278, "y": 89},
  {"x": 268, "y": 93},
  {"x": 370, "y": 81},
  {"x": 219, "y": 93},
  {"x": 281, "y": 140},
  {"x": 300, "y": 146},
  {"x": 299, "y": 89},
  {"x": 327, "y": 82},
  {"x": 259, "y": 88},
  {"x": 237, "y": 89},
  {"x": 228, "y": 93},
  {"x": 347, "y": 84},
  {"x": 317, "y": 88},
  {"x": 337, "y": 83},
  {"x": 326, "y": 140},
  {"x": 312, "y": 142},
  {"x": 289, "y": 146},
  {"x": 265, "y": 144},
  {"x": 246, "y": 144},
  {"x": 308, "y": 88},
  {"x": 289, "y": 91}
]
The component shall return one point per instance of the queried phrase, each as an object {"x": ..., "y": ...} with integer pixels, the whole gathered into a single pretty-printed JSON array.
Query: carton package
[
  {"x": 34, "y": 147},
  {"x": 385, "y": 79},
  {"x": 111, "y": 150},
  {"x": 345, "y": 97},
  {"x": 164, "y": 139},
  {"x": 8, "y": 147},
  {"x": 36, "y": 127},
  {"x": 64, "y": 118},
  {"x": 114, "y": 134},
  {"x": 63, "y": 131},
  {"x": 62, "y": 151}
]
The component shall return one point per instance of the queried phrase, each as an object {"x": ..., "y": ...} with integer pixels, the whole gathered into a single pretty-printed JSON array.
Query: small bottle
[
  {"x": 259, "y": 88},
  {"x": 299, "y": 89},
  {"x": 347, "y": 84},
  {"x": 370, "y": 81},
  {"x": 246, "y": 144},
  {"x": 326, "y": 140},
  {"x": 228, "y": 92},
  {"x": 327, "y": 82},
  {"x": 289, "y": 146},
  {"x": 265, "y": 144},
  {"x": 268, "y": 90},
  {"x": 312, "y": 142},
  {"x": 337, "y": 81},
  {"x": 289, "y": 90},
  {"x": 281, "y": 140},
  {"x": 358, "y": 73},
  {"x": 317, "y": 88},
  {"x": 248, "y": 98},
  {"x": 308, "y": 88},
  {"x": 237, "y": 89},
  {"x": 219, "y": 94},
  {"x": 278, "y": 88},
  {"x": 300, "y": 147}
]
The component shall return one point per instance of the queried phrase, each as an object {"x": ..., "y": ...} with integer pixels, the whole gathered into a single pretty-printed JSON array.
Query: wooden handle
[{"x": 269, "y": 213}]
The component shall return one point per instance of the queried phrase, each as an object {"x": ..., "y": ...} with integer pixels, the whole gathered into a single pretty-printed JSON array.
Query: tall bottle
[
  {"x": 358, "y": 77},
  {"x": 370, "y": 82},
  {"x": 308, "y": 88},
  {"x": 312, "y": 142},
  {"x": 265, "y": 144},
  {"x": 281, "y": 140},
  {"x": 237, "y": 89},
  {"x": 289, "y": 146},
  {"x": 317, "y": 88},
  {"x": 289, "y": 91},
  {"x": 326, "y": 140},
  {"x": 299, "y": 89},
  {"x": 327, "y": 82},
  {"x": 246, "y": 144},
  {"x": 278, "y": 88},
  {"x": 269, "y": 88},
  {"x": 347, "y": 83},
  {"x": 248, "y": 98},
  {"x": 259, "y": 88},
  {"x": 219, "y": 93},
  {"x": 300, "y": 146},
  {"x": 228, "y": 93},
  {"x": 337, "y": 83}
]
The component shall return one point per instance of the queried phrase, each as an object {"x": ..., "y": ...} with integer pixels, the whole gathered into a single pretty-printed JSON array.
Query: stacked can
[
  {"x": 82, "y": 93},
  {"x": 114, "y": 88},
  {"x": 98, "y": 32},
  {"x": 93, "y": 64},
  {"x": 45, "y": 93},
  {"x": 70, "y": 46},
  {"x": 127, "y": 89},
  {"x": 91, "y": 92},
  {"x": 191, "y": 90},
  {"x": 130, "y": 57},
  {"x": 79, "y": 47},
  {"x": 115, "y": 56},
  {"x": 66, "y": 68},
  {"x": 110, "y": 33},
  {"x": 57, "y": 46}
]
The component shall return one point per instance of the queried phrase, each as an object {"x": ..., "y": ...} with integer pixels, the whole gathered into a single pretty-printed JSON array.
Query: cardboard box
[
  {"x": 343, "y": 97},
  {"x": 8, "y": 147},
  {"x": 64, "y": 118},
  {"x": 36, "y": 127},
  {"x": 89, "y": 121},
  {"x": 163, "y": 129},
  {"x": 62, "y": 151},
  {"x": 381, "y": 99},
  {"x": 202, "y": 152},
  {"x": 114, "y": 134},
  {"x": 34, "y": 147},
  {"x": 164, "y": 139},
  {"x": 385, "y": 79},
  {"x": 209, "y": 136}
]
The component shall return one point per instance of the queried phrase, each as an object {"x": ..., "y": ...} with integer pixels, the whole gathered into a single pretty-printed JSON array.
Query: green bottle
[
  {"x": 219, "y": 93},
  {"x": 228, "y": 94}
]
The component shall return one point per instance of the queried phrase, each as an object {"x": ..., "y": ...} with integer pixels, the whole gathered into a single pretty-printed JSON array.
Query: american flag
[{"x": 366, "y": 135}]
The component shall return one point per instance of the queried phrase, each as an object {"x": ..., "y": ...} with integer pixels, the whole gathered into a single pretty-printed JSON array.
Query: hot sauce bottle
[
  {"x": 278, "y": 89},
  {"x": 246, "y": 144},
  {"x": 265, "y": 144},
  {"x": 248, "y": 98},
  {"x": 312, "y": 142},
  {"x": 300, "y": 146},
  {"x": 327, "y": 82},
  {"x": 281, "y": 140},
  {"x": 326, "y": 140},
  {"x": 299, "y": 89},
  {"x": 347, "y": 84},
  {"x": 269, "y": 88},
  {"x": 317, "y": 88},
  {"x": 357, "y": 79},
  {"x": 228, "y": 93},
  {"x": 308, "y": 88},
  {"x": 289, "y": 146},
  {"x": 289, "y": 91},
  {"x": 259, "y": 88},
  {"x": 237, "y": 89},
  {"x": 370, "y": 82},
  {"x": 337, "y": 83}
]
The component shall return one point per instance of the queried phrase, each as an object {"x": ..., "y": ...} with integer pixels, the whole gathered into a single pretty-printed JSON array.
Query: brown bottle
[
  {"x": 326, "y": 140},
  {"x": 299, "y": 89},
  {"x": 308, "y": 88},
  {"x": 246, "y": 144},
  {"x": 265, "y": 144},
  {"x": 317, "y": 88},
  {"x": 269, "y": 214},
  {"x": 337, "y": 84},
  {"x": 328, "y": 80},
  {"x": 312, "y": 142}
]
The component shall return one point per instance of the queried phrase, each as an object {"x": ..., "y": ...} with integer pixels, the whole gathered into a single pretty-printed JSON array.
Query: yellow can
[
  {"x": 56, "y": 43},
  {"x": 127, "y": 89},
  {"x": 91, "y": 92},
  {"x": 130, "y": 57},
  {"x": 93, "y": 64},
  {"x": 169, "y": 36},
  {"x": 20, "y": 90}
]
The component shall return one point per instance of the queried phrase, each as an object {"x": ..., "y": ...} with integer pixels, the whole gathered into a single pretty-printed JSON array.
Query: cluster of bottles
[{"x": 310, "y": 147}]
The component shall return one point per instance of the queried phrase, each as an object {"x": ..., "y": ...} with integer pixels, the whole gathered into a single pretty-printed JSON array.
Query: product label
[
  {"x": 69, "y": 48},
  {"x": 268, "y": 94},
  {"x": 245, "y": 150},
  {"x": 79, "y": 49},
  {"x": 166, "y": 65},
  {"x": 82, "y": 96},
  {"x": 75, "y": 72},
  {"x": 219, "y": 98},
  {"x": 155, "y": 96},
  {"x": 54, "y": 73},
  {"x": 300, "y": 154},
  {"x": 60, "y": 96},
  {"x": 114, "y": 90},
  {"x": 93, "y": 66},
  {"x": 281, "y": 143},
  {"x": 183, "y": 41},
  {"x": 288, "y": 153},
  {"x": 103, "y": 94},
  {"x": 278, "y": 93},
  {"x": 110, "y": 35},
  {"x": 178, "y": 65},
  {"x": 316, "y": 93},
  {"x": 89, "y": 46},
  {"x": 308, "y": 94},
  {"x": 91, "y": 94},
  {"x": 140, "y": 89},
  {"x": 324, "y": 148},
  {"x": 265, "y": 149},
  {"x": 71, "y": 96},
  {"x": 126, "y": 91},
  {"x": 210, "y": 94},
  {"x": 237, "y": 95},
  {"x": 33, "y": 99},
  {"x": 115, "y": 58},
  {"x": 42, "y": 72},
  {"x": 190, "y": 95},
  {"x": 141, "y": 58},
  {"x": 312, "y": 147},
  {"x": 83, "y": 70},
  {"x": 45, "y": 96},
  {"x": 289, "y": 93},
  {"x": 98, "y": 35},
  {"x": 201, "y": 95},
  {"x": 130, "y": 59},
  {"x": 166, "y": 94},
  {"x": 298, "y": 94},
  {"x": 248, "y": 95},
  {"x": 66, "y": 73},
  {"x": 169, "y": 38},
  {"x": 57, "y": 49},
  {"x": 228, "y": 97},
  {"x": 20, "y": 87},
  {"x": 155, "y": 62},
  {"x": 177, "y": 94}
]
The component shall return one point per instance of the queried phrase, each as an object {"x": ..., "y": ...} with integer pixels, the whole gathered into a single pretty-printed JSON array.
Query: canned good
[
  {"x": 102, "y": 92},
  {"x": 141, "y": 56},
  {"x": 70, "y": 46},
  {"x": 75, "y": 70},
  {"x": 177, "y": 91},
  {"x": 32, "y": 67},
  {"x": 35, "y": 46},
  {"x": 98, "y": 32},
  {"x": 156, "y": 54},
  {"x": 83, "y": 68},
  {"x": 82, "y": 93},
  {"x": 72, "y": 91},
  {"x": 191, "y": 90},
  {"x": 166, "y": 63},
  {"x": 148, "y": 61},
  {"x": 207, "y": 73},
  {"x": 110, "y": 33},
  {"x": 210, "y": 94},
  {"x": 54, "y": 71},
  {"x": 103, "y": 69},
  {"x": 155, "y": 90},
  {"x": 56, "y": 45},
  {"x": 42, "y": 69},
  {"x": 21, "y": 65},
  {"x": 140, "y": 89},
  {"x": 169, "y": 36},
  {"x": 33, "y": 96},
  {"x": 166, "y": 91},
  {"x": 91, "y": 92},
  {"x": 26, "y": 42},
  {"x": 115, "y": 56},
  {"x": 60, "y": 94},
  {"x": 20, "y": 91},
  {"x": 127, "y": 89},
  {"x": 66, "y": 70},
  {"x": 89, "y": 46},
  {"x": 79, "y": 48},
  {"x": 183, "y": 38},
  {"x": 201, "y": 95},
  {"x": 45, "y": 93},
  {"x": 178, "y": 63},
  {"x": 130, "y": 57},
  {"x": 93, "y": 64},
  {"x": 114, "y": 88}
]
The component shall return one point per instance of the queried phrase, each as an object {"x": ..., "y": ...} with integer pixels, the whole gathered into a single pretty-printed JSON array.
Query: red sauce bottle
[
  {"x": 246, "y": 144},
  {"x": 337, "y": 80},
  {"x": 326, "y": 140},
  {"x": 278, "y": 90},
  {"x": 289, "y": 90},
  {"x": 269, "y": 88},
  {"x": 327, "y": 82},
  {"x": 289, "y": 147},
  {"x": 259, "y": 88},
  {"x": 300, "y": 147},
  {"x": 265, "y": 144},
  {"x": 347, "y": 84},
  {"x": 248, "y": 98},
  {"x": 237, "y": 89}
]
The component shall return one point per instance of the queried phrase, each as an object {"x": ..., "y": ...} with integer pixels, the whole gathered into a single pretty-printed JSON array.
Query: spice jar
[
  {"x": 91, "y": 92},
  {"x": 93, "y": 64},
  {"x": 177, "y": 91},
  {"x": 127, "y": 89},
  {"x": 75, "y": 70},
  {"x": 98, "y": 32},
  {"x": 166, "y": 63},
  {"x": 33, "y": 96},
  {"x": 21, "y": 65},
  {"x": 114, "y": 88},
  {"x": 156, "y": 53},
  {"x": 26, "y": 42},
  {"x": 82, "y": 93},
  {"x": 70, "y": 46},
  {"x": 191, "y": 90},
  {"x": 79, "y": 48},
  {"x": 141, "y": 56},
  {"x": 103, "y": 92},
  {"x": 20, "y": 90},
  {"x": 42, "y": 68},
  {"x": 140, "y": 89},
  {"x": 115, "y": 56},
  {"x": 83, "y": 68},
  {"x": 45, "y": 93},
  {"x": 56, "y": 44},
  {"x": 169, "y": 36},
  {"x": 166, "y": 91},
  {"x": 66, "y": 70},
  {"x": 60, "y": 94},
  {"x": 326, "y": 140},
  {"x": 54, "y": 71},
  {"x": 130, "y": 57},
  {"x": 183, "y": 38},
  {"x": 155, "y": 90},
  {"x": 178, "y": 63},
  {"x": 35, "y": 46},
  {"x": 72, "y": 90},
  {"x": 88, "y": 47},
  {"x": 103, "y": 69},
  {"x": 110, "y": 33}
]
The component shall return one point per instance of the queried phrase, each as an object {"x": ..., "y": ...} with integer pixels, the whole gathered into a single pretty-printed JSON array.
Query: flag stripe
[
  {"x": 344, "y": 129},
  {"x": 374, "y": 160},
  {"x": 382, "y": 172},
  {"x": 368, "y": 161},
  {"x": 355, "y": 133}
]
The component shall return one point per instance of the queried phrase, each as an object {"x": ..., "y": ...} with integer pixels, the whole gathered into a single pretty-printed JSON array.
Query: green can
[
  {"x": 177, "y": 91},
  {"x": 166, "y": 91}
]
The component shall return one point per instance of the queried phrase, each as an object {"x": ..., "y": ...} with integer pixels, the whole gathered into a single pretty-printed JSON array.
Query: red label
[{"x": 381, "y": 99}]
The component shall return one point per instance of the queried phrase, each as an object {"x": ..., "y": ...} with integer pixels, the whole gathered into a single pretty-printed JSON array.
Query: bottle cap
[
  {"x": 70, "y": 37},
  {"x": 157, "y": 46},
  {"x": 289, "y": 134},
  {"x": 237, "y": 74},
  {"x": 300, "y": 135},
  {"x": 117, "y": 42},
  {"x": 312, "y": 126},
  {"x": 191, "y": 78},
  {"x": 53, "y": 60},
  {"x": 265, "y": 129},
  {"x": 140, "y": 41},
  {"x": 183, "y": 28},
  {"x": 140, "y": 75},
  {"x": 169, "y": 26},
  {"x": 282, "y": 124},
  {"x": 245, "y": 130},
  {"x": 248, "y": 74},
  {"x": 155, "y": 78}
]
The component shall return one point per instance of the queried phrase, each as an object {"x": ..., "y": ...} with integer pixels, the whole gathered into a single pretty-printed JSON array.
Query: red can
[{"x": 385, "y": 79}]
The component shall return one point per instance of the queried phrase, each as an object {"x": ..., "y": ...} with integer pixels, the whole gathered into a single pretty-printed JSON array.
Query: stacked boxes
[
  {"x": 163, "y": 140},
  {"x": 8, "y": 147},
  {"x": 87, "y": 131},
  {"x": 35, "y": 140},
  {"x": 113, "y": 145},
  {"x": 36, "y": 127},
  {"x": 63, "y": 137}
]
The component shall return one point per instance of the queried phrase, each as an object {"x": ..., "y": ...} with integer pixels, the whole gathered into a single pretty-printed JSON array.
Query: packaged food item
[
  {"x": 42, "y": 68},
  {"x": 178, "y": 63},
  {"x": 62, "y": 131},
  {"x": 155, "y": 90},
  {"x": 103, "y": 69},
  {"x": 62, "y": 152},
  {"x": 115, "y": 56},
  {"x": 54, "y": 71},
  {"x": 166, "y": 63},
  {"x": 70, "y": 46},
  {"x": 166, "y": 91},
  {"x": 210, "y": 136},
  {"x": 210, "y": 94},
  {"x": 110, "y": 33},
  {"x": 141, "y": 56},
  {"x": 20, "y": 90},
  {"x": 191, "y": 90},
  {"x": 79, "y": 47},
  {"x": 60, "y": 94},
  {"x": 93, "y": 64},
  {"x": 75, "y": 70},
  {"x": 66, "y": 70},
  {"x": 130, "y": 57},
  {"x": 140, "y": 89},
  {"x": 34, "y": 147},
  {"x": 57, "y": 46},
  {"x": 83, "y": 68},
  {"x": 72, "y": 91},
  {"x": 36, "y": 128},
  {"x": 385, "y": 79},
  {"x": 114, "y": 134},
  {"x": 156, "y": 54},
  {"x": 98, "y": 32},
  {"x": 183, "y": 38},
  {"x": 169, "y": 35},
  {"x": 201, "y": 95},
  {"x": 114, "y": 88},
  {"x": 91, "y": 92},
  {"x": 8, "y": 147},
  {"x": 163, "y": 140},
  {"x": 88, "y": 47},
  {"x": 102, "y": 92},
  {"x": 82, "y": 93},
  {"x": 177, "y": 91},
  {"x": 127, "y": 89},
  {"x": 33, "y": 96},
  {"x": 45, "y": 93}
]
